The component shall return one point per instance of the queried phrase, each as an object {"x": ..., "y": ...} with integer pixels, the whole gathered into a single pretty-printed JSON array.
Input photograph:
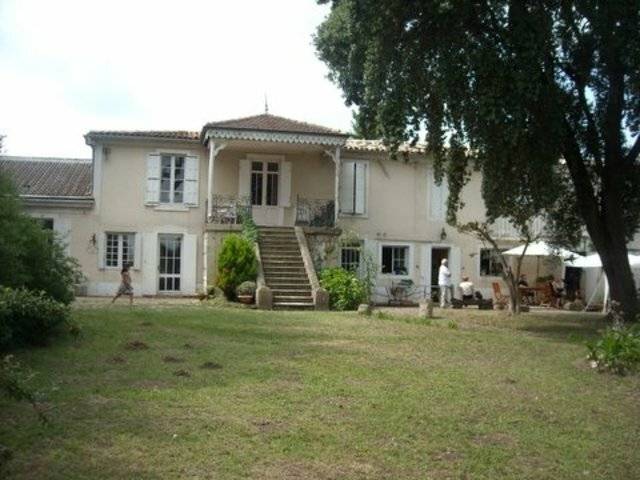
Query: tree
[
  {"x": 541, "y": 97},
  {"x": 32, "y": 257}
]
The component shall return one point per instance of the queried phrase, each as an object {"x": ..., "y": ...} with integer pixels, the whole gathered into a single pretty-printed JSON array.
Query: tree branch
[{"x": 633, "y": 153}]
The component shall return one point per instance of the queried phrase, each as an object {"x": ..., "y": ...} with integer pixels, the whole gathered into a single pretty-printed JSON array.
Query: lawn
[{"x": 295, "y": 395}]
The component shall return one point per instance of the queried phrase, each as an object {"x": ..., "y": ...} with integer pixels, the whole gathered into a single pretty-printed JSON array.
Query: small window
[
  {"x": 172, "y": 179},
  {"x": 119, "y": 249},
  {"x": 350, "y": 256},
  {"x": 395, "y": 260},
  {"x": 46, "y": 223},
  {"x": 490, "y": 265}
]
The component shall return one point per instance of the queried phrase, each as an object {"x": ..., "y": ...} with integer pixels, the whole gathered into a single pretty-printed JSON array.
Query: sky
[{"x": 67, "y": 67}]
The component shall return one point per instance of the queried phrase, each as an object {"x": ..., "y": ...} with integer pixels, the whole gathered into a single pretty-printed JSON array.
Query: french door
[
  {"x": 169, "y": 263},
  {"x": 265, "y": 181}
]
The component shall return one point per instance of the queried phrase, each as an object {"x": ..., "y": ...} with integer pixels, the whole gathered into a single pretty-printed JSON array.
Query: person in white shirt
[
  {"x": 444, "y": 282},
  {"x": 466, "y": 288}
]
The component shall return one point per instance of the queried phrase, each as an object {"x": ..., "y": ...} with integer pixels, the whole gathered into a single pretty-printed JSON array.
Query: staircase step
[
  {"x": 297, "y": 261},
  {"x": 293, "y": 298},
  {"x": 291, "y": 291},
  {"x": 293, "y": 305},
  {"x": 286, "y": 285}
]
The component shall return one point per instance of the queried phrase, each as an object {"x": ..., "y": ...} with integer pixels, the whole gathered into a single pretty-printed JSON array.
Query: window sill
[
  {"x": 171, "y": 207},
  {"x": 353, "y": 215}
]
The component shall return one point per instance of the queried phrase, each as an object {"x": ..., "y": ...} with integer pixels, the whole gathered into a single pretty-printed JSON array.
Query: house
[{"x": 164, "y": 200}]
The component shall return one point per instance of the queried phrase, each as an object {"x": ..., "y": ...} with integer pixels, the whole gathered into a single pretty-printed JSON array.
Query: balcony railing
[
  {"x": 229, "y": 209},
  {"x": 315, "y": 213}
]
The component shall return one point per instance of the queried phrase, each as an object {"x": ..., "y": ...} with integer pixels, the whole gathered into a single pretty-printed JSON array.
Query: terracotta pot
[{"x": 246, "y": 299}]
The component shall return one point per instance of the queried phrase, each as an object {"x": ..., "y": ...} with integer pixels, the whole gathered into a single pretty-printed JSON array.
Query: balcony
[
  {"x": 315, "y": 213},
  {"x": 229, "y": 209}
]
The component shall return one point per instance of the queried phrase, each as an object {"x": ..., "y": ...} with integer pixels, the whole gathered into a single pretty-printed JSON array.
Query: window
[
  {"x": 172, "y": 179},
  {"x": 264, "y": 183},
  {"x": 46, "y": 223},
  {"x": 490, "y": 265},
  {"x": 395, "y": 260},
  {"x": 353, "y": 182},
  {"x": 350, "y": 256},
  {"x": 119, "y": 249}
]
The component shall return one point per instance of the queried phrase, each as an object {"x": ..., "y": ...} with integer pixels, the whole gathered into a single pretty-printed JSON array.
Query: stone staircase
[{"x": 283, "y": 267}]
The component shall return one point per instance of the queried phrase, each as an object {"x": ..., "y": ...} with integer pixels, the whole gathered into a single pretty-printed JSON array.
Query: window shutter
[
  {"x": 455, "y": 265},
  {"x": 189, "y": 263},
  {"x": 152, "y": 193},
  {"x": 438, "y": 197},
  {"x": 244, "y": 178},
  {"x": 191, "y": 181},
  {"x": 137, "y": 251},
  {"x": 101, "y": 249},
  {"x": 346, "y": 187},
  {"x": 361, "y": 188},
  {"x": 285, "y": 184}
]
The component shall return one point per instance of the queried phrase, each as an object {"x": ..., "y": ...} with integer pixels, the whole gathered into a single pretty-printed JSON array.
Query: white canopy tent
[
  {"x": 594, "y": 261},
  {"x": 541, "y": 249}
]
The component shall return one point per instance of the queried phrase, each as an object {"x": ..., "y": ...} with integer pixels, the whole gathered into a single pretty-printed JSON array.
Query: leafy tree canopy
[{"x": 541, "y": 97}]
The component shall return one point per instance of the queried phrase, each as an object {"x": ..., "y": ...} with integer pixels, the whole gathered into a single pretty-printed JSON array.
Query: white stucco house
[{"x": 163, "y": 200}]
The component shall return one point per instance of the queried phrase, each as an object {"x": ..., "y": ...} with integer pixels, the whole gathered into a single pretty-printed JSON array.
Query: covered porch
[{"x": 279, "y": 172}]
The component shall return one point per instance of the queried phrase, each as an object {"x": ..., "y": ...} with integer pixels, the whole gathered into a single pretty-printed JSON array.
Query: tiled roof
[
  {"x": 272, "y": 123},
  {"x": 160, "y": 134},
  {"x": 360, "y": 145},
  {"x": 49, "y": 177}
]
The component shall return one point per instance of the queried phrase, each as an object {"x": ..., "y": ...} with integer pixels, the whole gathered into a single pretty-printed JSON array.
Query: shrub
[
  {"x": 346, "y": 290},
  {"x": 246, "y": 288},
  {"x": 29, "y": 318},
  {"x": 32, "y": 257},
  {"x": 249, "y": 228},
  {"x": 618, "y": 350},
  {"x": 236, "y": 264}
]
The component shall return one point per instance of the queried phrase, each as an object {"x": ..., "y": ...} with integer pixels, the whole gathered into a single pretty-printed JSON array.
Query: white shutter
[
  {"x": 150, "y": 264},
  {"x": 152, "y": 193},
  {"x": 189, "y": 263},
  {"x": 137, "y": 251},
  {"x": 191, "y": 180},
  {"x": 102, "y": 240},
  {"x": 346, "y": 187},
  {"x": 437, "y": 197},
  {"x": 285, "y": 185},
  {"x": 361, "y": 188},
  {"x": 244, "y": 178}
]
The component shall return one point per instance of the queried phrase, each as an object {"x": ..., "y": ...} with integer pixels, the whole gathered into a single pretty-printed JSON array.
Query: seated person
[
  {"x": 526, "y": 293},
  {"x": 466, "y": 288}
]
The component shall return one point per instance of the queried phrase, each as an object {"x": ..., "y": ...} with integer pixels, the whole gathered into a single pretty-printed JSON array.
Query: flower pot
[{"x": 246, "y": 299}]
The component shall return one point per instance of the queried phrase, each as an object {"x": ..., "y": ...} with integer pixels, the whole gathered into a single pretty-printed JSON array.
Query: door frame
[
  {"x": 267, "y": 215},
  {"x": 181, "y": 259}
]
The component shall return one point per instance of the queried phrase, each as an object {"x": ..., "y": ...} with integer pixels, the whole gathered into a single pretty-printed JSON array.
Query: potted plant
[{"x": 246, "y": 292}]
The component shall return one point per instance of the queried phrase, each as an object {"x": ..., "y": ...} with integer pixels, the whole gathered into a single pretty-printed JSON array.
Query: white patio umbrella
[{"x": 541, "y": 249}]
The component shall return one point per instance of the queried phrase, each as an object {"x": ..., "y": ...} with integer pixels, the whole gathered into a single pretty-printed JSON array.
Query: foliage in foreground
[
  {"x": 618, "y": 350},
  {"x": 32, "y": 257},
  {"x": 14, "y": 381},
  {"x": 29, "y": 318},
  {"x": 237, "y": 263},
  {"x": 346, "y": 290}
]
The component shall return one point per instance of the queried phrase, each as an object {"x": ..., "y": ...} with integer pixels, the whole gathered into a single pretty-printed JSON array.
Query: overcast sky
[{"x": 67, "y": 67}]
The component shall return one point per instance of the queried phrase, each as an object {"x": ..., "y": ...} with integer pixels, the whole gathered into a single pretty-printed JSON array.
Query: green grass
[{"x": 472, "y": 395}]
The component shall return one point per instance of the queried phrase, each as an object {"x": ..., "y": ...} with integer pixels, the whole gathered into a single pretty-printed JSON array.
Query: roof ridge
[{"x": 23, "y": 158}]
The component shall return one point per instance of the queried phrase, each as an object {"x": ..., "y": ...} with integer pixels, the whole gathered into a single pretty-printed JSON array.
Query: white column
[
  {"x": 213, "y": 153},
  {"x": 338, "y": 163}
]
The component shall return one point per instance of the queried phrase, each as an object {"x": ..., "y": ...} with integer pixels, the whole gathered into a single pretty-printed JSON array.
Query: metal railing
[
  {"x": 229, "y": 209},
  {"x": 315, "y": 213}
]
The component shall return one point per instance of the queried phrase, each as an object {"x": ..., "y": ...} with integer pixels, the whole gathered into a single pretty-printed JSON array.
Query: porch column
[
  {"x": 213, "y": 153},
  {"x": 335, "y": 156}
]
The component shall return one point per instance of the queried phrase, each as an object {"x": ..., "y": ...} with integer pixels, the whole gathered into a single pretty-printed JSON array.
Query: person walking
[
  {"x": 444, "y": 282},
  {"x": 126, "y": 288}
]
